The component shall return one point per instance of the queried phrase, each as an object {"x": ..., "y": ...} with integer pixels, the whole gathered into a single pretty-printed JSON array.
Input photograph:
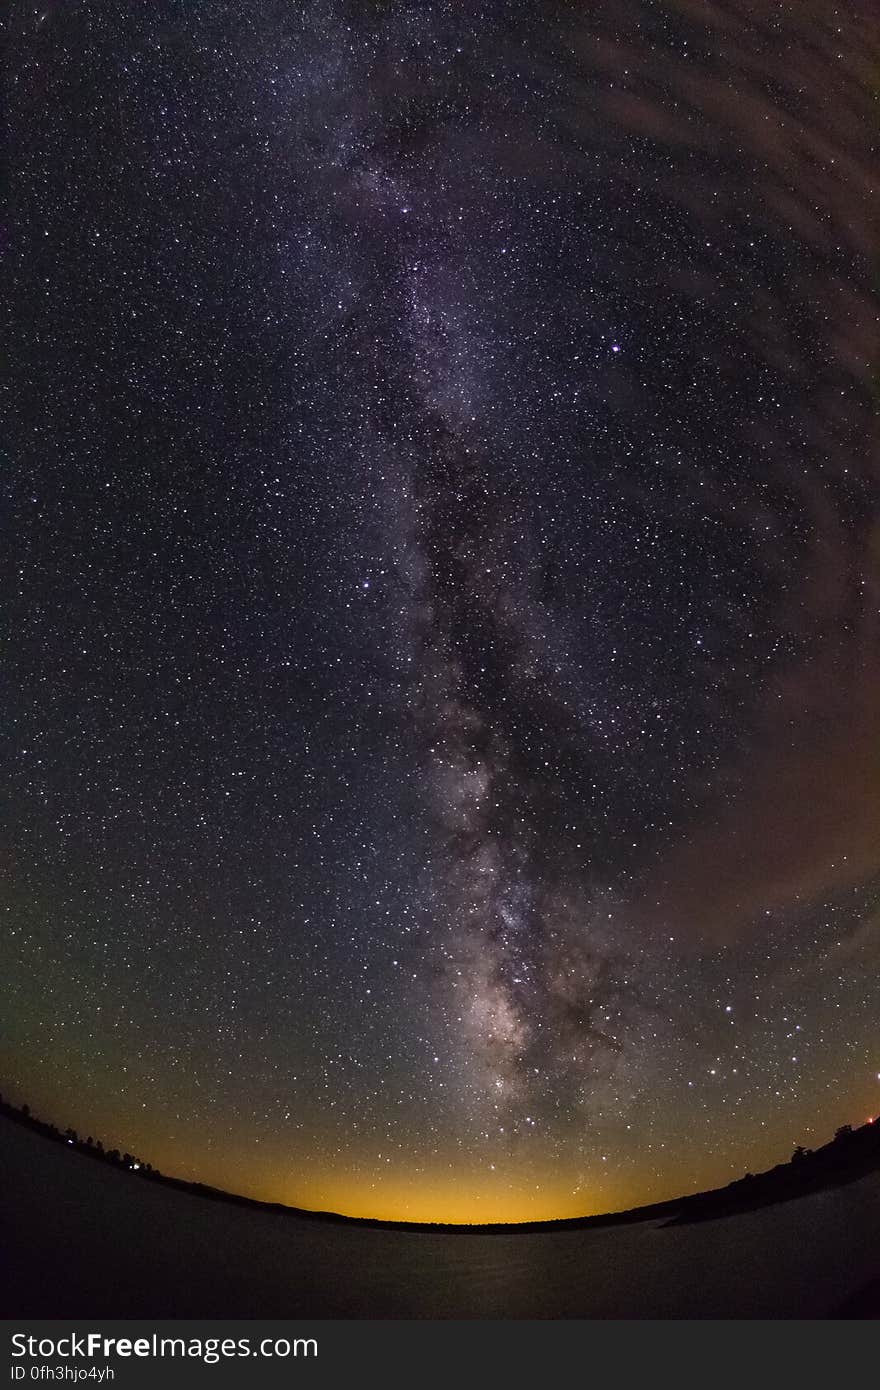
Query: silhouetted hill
[
  {"x": 85, "y": 1238},
  {"x": 850, "y": 1155}
]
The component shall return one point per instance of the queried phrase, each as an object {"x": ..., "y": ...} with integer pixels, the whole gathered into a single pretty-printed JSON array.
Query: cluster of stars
[{"x": 441, "y": 738}]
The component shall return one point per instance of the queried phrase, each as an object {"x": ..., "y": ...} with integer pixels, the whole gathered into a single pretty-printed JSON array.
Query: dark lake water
[{"x": 80, "y": 1239}]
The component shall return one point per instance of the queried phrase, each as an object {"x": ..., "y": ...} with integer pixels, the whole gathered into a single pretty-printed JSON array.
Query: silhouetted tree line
[
  {"x": 93, "y": 1147},
  {"x": 851, "y": 1154}
]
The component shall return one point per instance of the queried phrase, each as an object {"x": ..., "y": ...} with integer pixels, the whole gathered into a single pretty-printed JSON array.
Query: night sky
[{"x": 441, "y": 593}]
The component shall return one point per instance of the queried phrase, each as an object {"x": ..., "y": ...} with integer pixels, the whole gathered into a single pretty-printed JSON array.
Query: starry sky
[{"x": 441, "y": 593}]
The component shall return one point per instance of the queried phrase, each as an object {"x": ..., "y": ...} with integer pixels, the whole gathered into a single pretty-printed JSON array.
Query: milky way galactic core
[{"x": 443, "y": 583}]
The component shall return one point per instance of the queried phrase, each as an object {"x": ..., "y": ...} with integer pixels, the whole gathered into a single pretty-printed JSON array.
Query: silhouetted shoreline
[
  {"x": 85, "y": 1239},
  {"x": 850, "y": 1155}
]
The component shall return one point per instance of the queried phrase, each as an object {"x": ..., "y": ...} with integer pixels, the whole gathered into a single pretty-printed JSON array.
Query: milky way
[{"x": 444, "y": 581}]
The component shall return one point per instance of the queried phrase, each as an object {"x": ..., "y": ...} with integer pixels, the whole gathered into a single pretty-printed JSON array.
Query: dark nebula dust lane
[{"x": 443, "y": 582}]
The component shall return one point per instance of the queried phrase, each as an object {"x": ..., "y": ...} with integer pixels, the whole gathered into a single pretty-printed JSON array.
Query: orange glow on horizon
[
  {"x": 527, "y": 1186},
  {"x": 447, "y": 1201}
]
